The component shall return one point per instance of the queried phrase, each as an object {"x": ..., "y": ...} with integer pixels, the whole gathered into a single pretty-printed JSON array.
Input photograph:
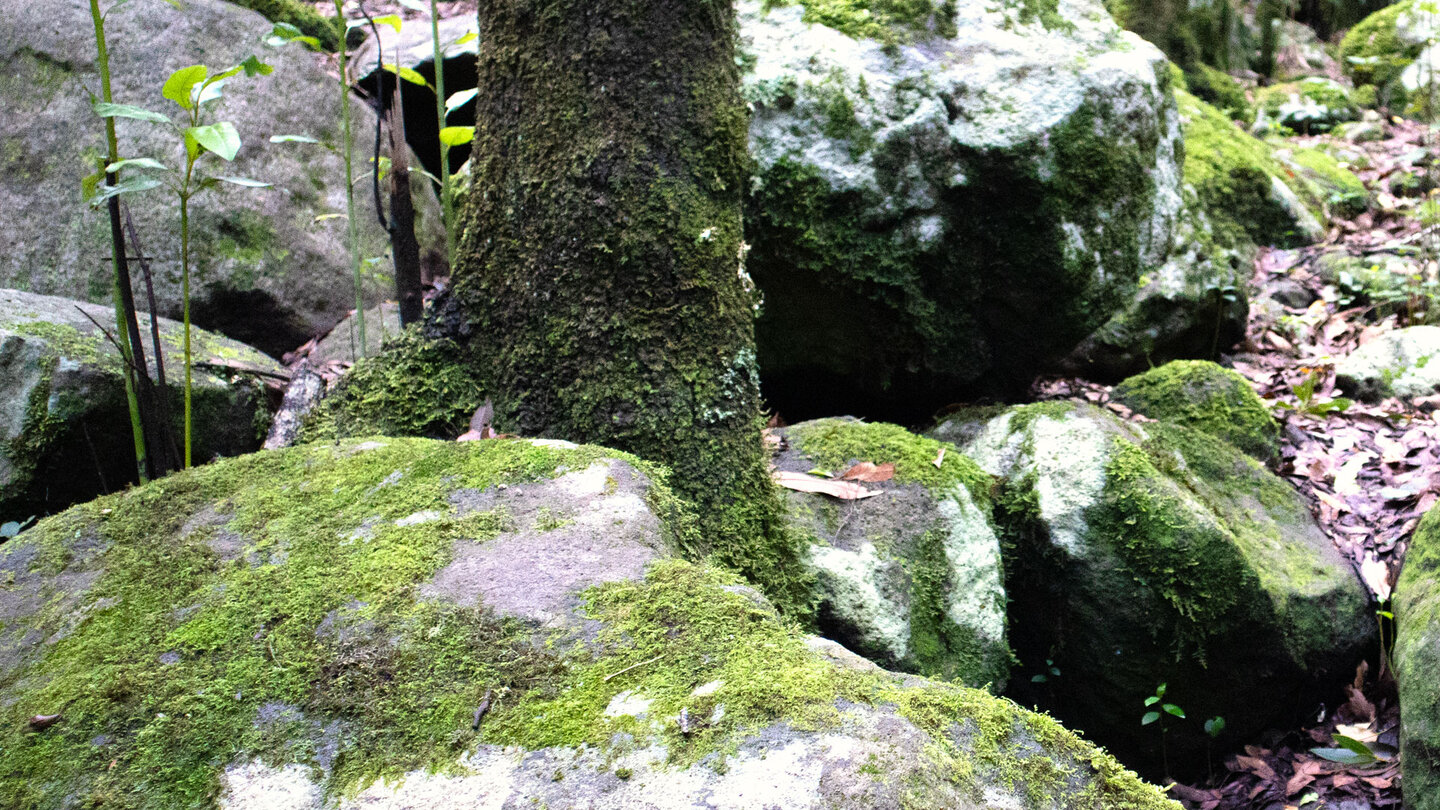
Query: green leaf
[
  {"x": 408, "y": 74},
  {"x": 1160, "y": 690},
  {"x": 392, "y": 20},
  {"x": 242, "y": 181},
  {"x": 1214, "y": 726},
  {"x": 107, "y": 110},
  {"x": 457, "y": 136},
  {"x": 292, "y": 139},
  {"x": 1038, "y": 679},
  {"x": 1171, "y": 708},
  {"x": 254, "y": 67},
  {"x": 1152, "y": 700},
  {"x": 177, "y": 88},
  {"x": 89, "y": 184},
  {"x": 1353, "y": 744},
  {"x": 129, "y": 185},
  {"x": 470, "y": 36},
  {"x": 221, "y": 139},
  {"x": 457, "y": 99},
  {"x": 1149, "y": 718},
  {"x": 137, "y": 163},
  {"x": 285, "y": 32},
  {"x": 209, "y": 92},
  {"x": 1344, "y": 756}
]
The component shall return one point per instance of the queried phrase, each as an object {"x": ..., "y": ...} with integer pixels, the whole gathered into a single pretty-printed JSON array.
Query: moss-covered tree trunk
[{"x": 599, "y": 287}]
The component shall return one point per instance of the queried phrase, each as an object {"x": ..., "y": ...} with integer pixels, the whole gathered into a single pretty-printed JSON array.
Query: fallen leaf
[
  {"x": 844, "y": 490},
  {"x": 40, "y": 722},
  {"x": 1257, "y": 766},
  {"x": 1376, "y": 576},
  {"x": 939, "y": 457},
  {"x": 869, "y": 472}
]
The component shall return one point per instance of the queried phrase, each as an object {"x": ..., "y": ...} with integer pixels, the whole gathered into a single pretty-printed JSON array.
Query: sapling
[
  {"x": 195, "y": 90},
  {"x": 1159, "y": 715}
]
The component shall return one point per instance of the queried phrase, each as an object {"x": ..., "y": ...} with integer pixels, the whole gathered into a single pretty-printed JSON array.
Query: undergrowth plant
[
  {"x": 1158, "y": 715},
  {"x": 196, "y": 91}
]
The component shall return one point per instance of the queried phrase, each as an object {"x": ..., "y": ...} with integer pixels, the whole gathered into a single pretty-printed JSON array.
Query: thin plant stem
[
  {"x": 447, "y": 200},
  {"x": 353, "y": 225},
  {"x": 185, "y": 296},
  {"x": 117, "y": 245}
]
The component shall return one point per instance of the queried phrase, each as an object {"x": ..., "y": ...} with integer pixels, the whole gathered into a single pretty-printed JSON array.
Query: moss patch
[
  {"x": 1373, "y": 54},
  {"x": 1207, "y": 397},
  {"x": 1416, "y": 657},
  {"x": 294, "y": 600},
  {"x": 834, "y": 444},
  {"x": 889, "y": 21},
  {"x": 301, "y": 15}
]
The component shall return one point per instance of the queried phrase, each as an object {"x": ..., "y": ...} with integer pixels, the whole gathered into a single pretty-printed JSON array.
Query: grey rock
[
  {"x": 1401, "y": 363},
  {"x": 64, "y": 422},
  {"x": 265, "y": 271}
]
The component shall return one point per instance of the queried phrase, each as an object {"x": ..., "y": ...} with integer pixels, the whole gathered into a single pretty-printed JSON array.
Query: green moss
[
  {"x": 413, "y": 387},
  {"x": 302, "y": 16},
  {"x": 1325, "y": 181},
  {"x": 1325, "y": 104},
  {"x": 1220, "y": 89},
  {"x": 286, "y": 619},
  {"x": 67, "y": 341},
  {"x": 1372, "y": 53},
  {"x": 1207, "y": 397},
  {"x": 835, "y": 444},
  {"x": 889, "y": 21},
  {"x": 1415, "y": 658},
  {"x": 1231, "y": 172}
]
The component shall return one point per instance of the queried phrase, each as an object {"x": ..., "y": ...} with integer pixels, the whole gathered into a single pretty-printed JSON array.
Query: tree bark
[{"x": 599, "y": 283}]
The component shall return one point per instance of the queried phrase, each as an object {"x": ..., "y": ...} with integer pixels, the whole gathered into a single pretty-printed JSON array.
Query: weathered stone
[
  {"x": 264, "y": 270},
  {"x": 1141, "y": 554},
  {"x": 975, "y": 197},
  {"x": 1205, "y": 396},
  {"x": 1401, "y": 363},
  {"x": 64, "y": 421},
  {"x": 910, "y": 577},
  {"x": 403, "y": 622},
  {"x": 1416, "y": 658}
]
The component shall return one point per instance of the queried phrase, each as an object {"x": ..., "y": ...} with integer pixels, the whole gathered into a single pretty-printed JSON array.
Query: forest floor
[{"x": 1369, "y": 470}]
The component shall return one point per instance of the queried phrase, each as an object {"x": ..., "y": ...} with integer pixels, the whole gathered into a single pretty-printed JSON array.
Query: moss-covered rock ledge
[{"x": 406, "y": 622}]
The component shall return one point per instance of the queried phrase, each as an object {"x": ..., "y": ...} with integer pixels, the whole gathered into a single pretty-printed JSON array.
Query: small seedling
[
  {"x": 1214, "y": 727},
  {"x": 1155, "y": 715},
  {"x": 1051, "y": 671}
]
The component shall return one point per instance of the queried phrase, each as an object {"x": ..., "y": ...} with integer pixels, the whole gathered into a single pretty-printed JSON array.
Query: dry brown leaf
[
  {"x": 939, "y": 457},
  {"x": 1332, "y": 501},
  {"x": 1257, "y": 766},
  {"x": 869, "y": 472},
  {"x": 1376, "y": 576},
  {"x": 844, "y": 490}
]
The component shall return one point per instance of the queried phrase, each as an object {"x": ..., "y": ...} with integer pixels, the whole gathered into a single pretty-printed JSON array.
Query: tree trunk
[{"x": 600, "y": 286}]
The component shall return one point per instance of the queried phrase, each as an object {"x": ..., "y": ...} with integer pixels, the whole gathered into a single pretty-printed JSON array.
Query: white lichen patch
[
  {"x": 977, "y": 590},
  {"x": 849, "y": 579},
  {"x": 628, "y": 704},
  {"x": 257, "y": 786}
]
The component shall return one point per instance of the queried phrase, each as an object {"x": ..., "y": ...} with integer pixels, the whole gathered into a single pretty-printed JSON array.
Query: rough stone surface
[
  {"x": 348, "y": 655},
  {"x": 1204, "y": 396},
  {"x": 910, "y": 577},
  {"x": 976, "y": 202},
  {"x": 382, "y": 323},
  {"x": 64, "y": 422},
  {"x": 1416, "y": 657},
  {"x": 1401, "y": 363},
  {"x": 1141, "y": 554},
  {"x": 264, "y": 270}
]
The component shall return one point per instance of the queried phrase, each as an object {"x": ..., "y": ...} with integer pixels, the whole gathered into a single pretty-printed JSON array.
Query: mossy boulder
[
  {"x": 1205, "y": 396},
  {"x": 1310, "y": 106},
  {"x": 1211, "y": 34},
  {"x": 1240, "y": 184},
  {"x": 1416, "y": 658},
  {"x": 1146, "y": 554},
  {"x": 1401, "y": 363},
  {"x": 265, "y": 271},
  {"x": 1326, "y": 183},
  {"x": 301, "y": 15},
  {"x": 404, "y": 622},
  {"x": 64, "y": 420},
  {"x": 911, "y": 577},
  {"x": 975, "y": 194},
  {"x": 1380, "y": 47}
]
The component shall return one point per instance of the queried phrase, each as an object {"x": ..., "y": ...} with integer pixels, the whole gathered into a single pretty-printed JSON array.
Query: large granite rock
[
  {"x": 64, "y": 421},
  {"x": 1416, "y": 657},
  {"x": 1401, "y": 363},
  {"x": 266, "y": 271},
  {"x": 974, "y": 193},
  {"x": 410, "y": 623},
  {"x": 1154, "y": 553},
  {"x": 910, "y": 577}
]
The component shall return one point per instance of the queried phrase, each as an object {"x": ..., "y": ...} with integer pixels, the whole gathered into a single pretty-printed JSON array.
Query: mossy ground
[
  {"x": 306, "y": 644},
  {"x": 1207, "y": 397}
]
